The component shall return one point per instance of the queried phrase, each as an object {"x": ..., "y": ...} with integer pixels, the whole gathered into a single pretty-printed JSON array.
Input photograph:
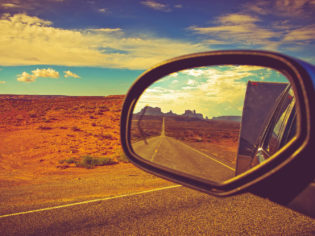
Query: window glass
[{"x": 283, "y": 123}]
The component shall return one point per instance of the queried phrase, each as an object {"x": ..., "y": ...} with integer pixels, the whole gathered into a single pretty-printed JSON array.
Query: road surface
[
  {"x": 175, "y": 211},
  {"x": 177, "y": 155}
]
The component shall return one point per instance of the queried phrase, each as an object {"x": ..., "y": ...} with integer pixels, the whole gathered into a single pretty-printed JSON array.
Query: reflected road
[{"x": 174, "y": 154}]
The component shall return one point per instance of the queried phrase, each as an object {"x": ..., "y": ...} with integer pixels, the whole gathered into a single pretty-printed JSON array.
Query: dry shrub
[
  {"x": 88, "y": 162},
  {"x": 43, "y": 127},
  {"x": 75, "y": 128}
]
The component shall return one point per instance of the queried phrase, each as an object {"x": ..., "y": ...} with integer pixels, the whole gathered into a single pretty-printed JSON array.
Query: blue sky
[{"x": 95, "y": 47}]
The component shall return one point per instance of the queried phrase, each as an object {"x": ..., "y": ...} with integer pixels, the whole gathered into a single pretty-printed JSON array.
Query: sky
[
  {"x": 98, "y": 48},
  {"x": 212, "y": 91}
]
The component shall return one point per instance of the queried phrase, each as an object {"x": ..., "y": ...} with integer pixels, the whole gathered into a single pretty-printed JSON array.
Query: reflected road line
[{"x": 207, "y": 155}]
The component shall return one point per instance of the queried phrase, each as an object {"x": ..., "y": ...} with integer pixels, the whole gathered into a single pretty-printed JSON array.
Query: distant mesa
[
  {"x": 193, "y": 114},
  {"x": 229, "y": 118},
  {"x": 156, "y": 111},
  {"x": 151, "y": 111},
  {"x": 188, "y": 114},
  {"x": 170, "y": 113}
]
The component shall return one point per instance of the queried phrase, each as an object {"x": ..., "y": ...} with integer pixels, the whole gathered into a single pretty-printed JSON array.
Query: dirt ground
[
  {"x": 36, "y": 132},
  {"x": 218, "y": 138}
]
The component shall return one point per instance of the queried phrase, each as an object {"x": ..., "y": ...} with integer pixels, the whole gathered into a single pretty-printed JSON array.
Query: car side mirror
[{"x": 221, "y": 122}]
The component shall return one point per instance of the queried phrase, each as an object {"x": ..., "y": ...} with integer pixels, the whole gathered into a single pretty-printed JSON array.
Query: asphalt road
[
  {"x": 176, "y": 211},
  {"x": 168, "y": 211},
  {"x": 177, "y": 155}
]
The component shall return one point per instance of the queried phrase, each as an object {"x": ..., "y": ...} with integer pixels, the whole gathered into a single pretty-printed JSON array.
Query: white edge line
[
  {"x": 206, "y": 155},
  {"x": 89, "y": 201}
]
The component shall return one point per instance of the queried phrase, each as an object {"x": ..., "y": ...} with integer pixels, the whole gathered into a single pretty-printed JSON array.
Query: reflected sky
[{"x": 212, "y": 91}]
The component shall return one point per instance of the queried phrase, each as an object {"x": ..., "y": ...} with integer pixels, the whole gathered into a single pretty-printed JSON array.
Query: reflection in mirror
[{"x": 214, "y": 122}]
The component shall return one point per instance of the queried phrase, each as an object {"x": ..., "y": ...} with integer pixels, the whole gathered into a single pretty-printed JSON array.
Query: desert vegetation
[
  {"x": 88, "y": 162},
  {"x": 46, "y": 134}
]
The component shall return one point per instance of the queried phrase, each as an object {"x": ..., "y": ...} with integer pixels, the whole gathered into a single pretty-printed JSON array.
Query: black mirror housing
[{"x": 281, "y": 178}]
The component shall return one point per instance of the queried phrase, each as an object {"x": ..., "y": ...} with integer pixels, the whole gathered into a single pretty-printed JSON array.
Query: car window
[
  {"x": 290, "y": 130},
  {"x": 282, "y": 125}
]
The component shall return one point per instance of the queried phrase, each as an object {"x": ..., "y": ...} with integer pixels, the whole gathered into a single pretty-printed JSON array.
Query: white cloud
[
  {"x": 287, "y": 8},
  {"x": 239, "y": 28},
  {"x": 294, "y": 7},
  {"x": 25, "y": 5},
  {"x": 9, "y": 5},
  {"x": 21, "y": 34},
  {"x": 178, "y": 6},
  {"x": 160, "y": 6},
  {"x": 175, "y": 74},
  {"x": 68, "y": 73},
  {"x": 26, "y": 77},
  {"x": 194, "y": 72},
  {"x": 155, "y": 5},
  {"x": 251, "y": 26},
  {"x": 214, "y": 42},
  {"x": 188, "y": 88},
  {"x": 191, "y": 82},
  {"x": 23, "y": 19},
  {"x": 305, "y": 33},
  {"x": 106, "y": 30},
  {"x": 102, "y": 10},
  {"x": 258, "y": 7},
  {"x": 249, "y": 30},
  {"x": 43, "y": 73},
  {"x": 46, "y": 73},
  {"x": 237, "y": 18},
  {"x": 215, "y": 91}
]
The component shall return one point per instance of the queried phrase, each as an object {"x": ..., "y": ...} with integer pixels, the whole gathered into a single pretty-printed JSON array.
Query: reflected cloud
[{"x": 213, "y": 91}]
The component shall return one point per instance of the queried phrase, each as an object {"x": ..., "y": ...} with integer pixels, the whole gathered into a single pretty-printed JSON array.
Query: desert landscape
[
  {"x": 44, "y": 134},
  {"x": 59, "y": 149},
  {"x": 150, "y": 126},
  {"x": 58, "y": 136},
  {"x": 66, "y": 148},
  {"x": 217, "y": 137}
]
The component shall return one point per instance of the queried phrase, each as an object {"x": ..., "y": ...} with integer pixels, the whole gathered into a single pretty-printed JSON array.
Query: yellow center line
[{"x": 156, "y": 150}]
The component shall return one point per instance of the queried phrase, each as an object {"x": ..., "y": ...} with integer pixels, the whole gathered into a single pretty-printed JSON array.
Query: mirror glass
[{"x": 214, "y": 122}]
